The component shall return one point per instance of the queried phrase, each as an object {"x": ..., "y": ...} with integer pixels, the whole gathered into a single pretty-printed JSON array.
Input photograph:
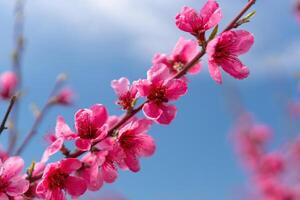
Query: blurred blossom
[
  {"x": 294, "y": 109},
  {"x": 65, "y": 97},
  {"x": 297, "y": 10}
]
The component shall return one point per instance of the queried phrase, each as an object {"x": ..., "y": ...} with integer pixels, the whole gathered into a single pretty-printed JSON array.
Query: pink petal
[
  {"x": 99, "y": 115},
  {"x": 70, "y": 165},
  {"x": 175, "y": 89},
  {"x": 211, "y": 14},
  {"x": 75, "y": 186},
  {"x": 160, "y": 58},
  {"x": 18, "y": 186},
  {"x": 168, "y": 114},
  {"x": 158, "y": 73},
  {"x": 3, "y": 196},
  {"x": 56, "y": 194},
  {"x": 143, "y": 87},
  {"x": 151, "y": 110},
  {"x": 52, "y": 149},
  {"x": 187, "y": 19},
  {"x": 12, "y": 167},
  {"x": 132, "y": 162},
  {"x": 235, "y": 68},
  {"x": 245, "y": 40},
  {"x": 215, "y": 72},
  {"x": 143, "y": 125},
  {"x": 148, "y": 146},
  {"x": 195, "y": 69},
  {"x": 96, "y": 179},
  {"x": 83, "y": 120},
  {"x": 109, "y": 172},
  {"x": 120, "y": 86},
  {"x": 185, "y": 50},
  {"x": 63, "y": 130},
  {"x": 83, "y": 144}
]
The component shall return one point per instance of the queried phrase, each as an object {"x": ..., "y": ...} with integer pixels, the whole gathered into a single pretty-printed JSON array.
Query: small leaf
[
  {"x": 31, "y": 169},
  {"x": 250, "y": 15},
  {"x": 213, "y": 33}
]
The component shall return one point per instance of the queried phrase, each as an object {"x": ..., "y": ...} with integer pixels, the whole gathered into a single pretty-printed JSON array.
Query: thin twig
[
  {"x": 17, "y": 58},
  {"x": 40, "y": 116},
  {"x": 8, "y": 111}
]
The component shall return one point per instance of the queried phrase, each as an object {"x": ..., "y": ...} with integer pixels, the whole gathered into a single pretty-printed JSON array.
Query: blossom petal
[
  {"x": 214, "y": 71},
  {"x": 175, "y": 89},
  {"x": 158, "y": 73},
  {"x": 120, "y": 86},
  {"x": 12, "y": 167},
  {"x": 235, "y": 68},
  {"x": 62, "y": 129},
  {"x": 99, "y": 115},
  {"x": 75, "y": 186},
  {"x": 245, "y": 40},
  {"x": 143, "y": 87},
  {"x": 3, "y": 196},
  {"x": 83, "y": 144},
  {"x": 52, "y": 149},
  {"x": 168, "y": 114},
  {"x": 211, "y": 14},
  {"x": 70, "y": 164},
  {"x": 151, "y": 110},
  {"x": 195, "y": 69},
  {"x": 109, "y": 172},
  {"x": 18, "y": 186},
  {"x": 132, "y": 162}
]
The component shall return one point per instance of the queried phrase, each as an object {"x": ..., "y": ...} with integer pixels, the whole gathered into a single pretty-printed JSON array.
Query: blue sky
[{"x": 96, "y": 41}]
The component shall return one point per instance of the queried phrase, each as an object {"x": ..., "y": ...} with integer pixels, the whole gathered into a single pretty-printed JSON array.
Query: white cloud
[
  {"x": 286, "y": 59},
  {"x": 144, "y": 22}
]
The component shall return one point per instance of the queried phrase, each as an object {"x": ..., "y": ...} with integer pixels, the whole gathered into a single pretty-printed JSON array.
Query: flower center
[
  {"x": 90, "y": 133},
  {"x": 178, "y": 66},
  {"x": 57, "y": 179},
  {"x": 158, "y": 95},
  {"x": 127, "y": 141},
  {"x": 125, "y": 101}
]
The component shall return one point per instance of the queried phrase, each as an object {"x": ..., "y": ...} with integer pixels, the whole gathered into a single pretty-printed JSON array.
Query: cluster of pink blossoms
[
  {"x": 105, "y": 143},
  {"x": 275, "y": 174}
]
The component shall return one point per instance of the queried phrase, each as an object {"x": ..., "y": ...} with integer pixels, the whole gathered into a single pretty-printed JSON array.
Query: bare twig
[{"x": 8, "y": 111}]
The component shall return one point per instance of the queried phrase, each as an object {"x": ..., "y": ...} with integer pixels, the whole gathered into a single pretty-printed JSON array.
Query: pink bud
[
  {"x": 65, "y": 97},
  {"x": 8, "y": 84}
]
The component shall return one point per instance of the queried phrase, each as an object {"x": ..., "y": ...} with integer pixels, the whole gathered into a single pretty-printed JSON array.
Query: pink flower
[
  {"x": 127, "y": 94},
  {"x": 12, "y": 184},
  {"x": 134, "y": 142},
  {"x": 90, "y": 126},
  {"x": 159, "y": 90},
  {"x": 57, "y": 178},
  {"x": 65, "y": 97},
  {"x": 184, "y": 52},
  {"x": 62, "y": 132},
  {"x": 195, "y": 23},
  {"x": 102, "y": 167},
  {"x": 224, "y": 50},
  {"x": 294, "y": 109},
  {"x": 8, "y": 84}
]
